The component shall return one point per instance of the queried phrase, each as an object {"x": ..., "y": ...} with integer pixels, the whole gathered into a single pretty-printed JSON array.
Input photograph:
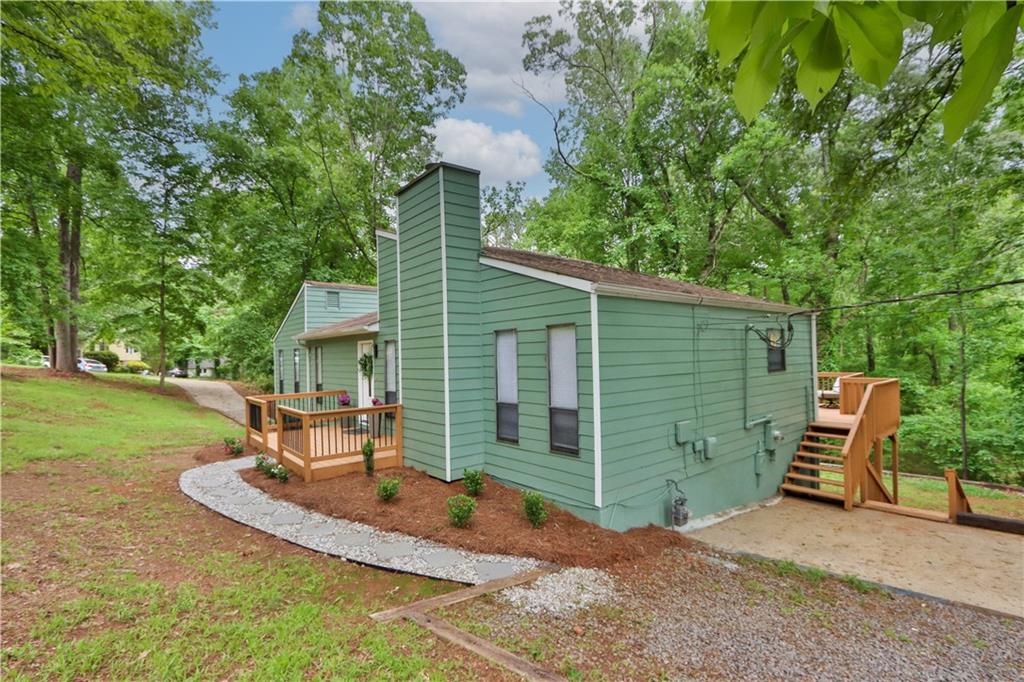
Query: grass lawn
[
  {"x": 110, "y": 572},
  {"x": 925, "y": 493},
  {"x": 100, "y": 418}
]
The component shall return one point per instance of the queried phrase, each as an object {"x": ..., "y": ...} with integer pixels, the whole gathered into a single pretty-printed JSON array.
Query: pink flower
[
  {"x": 377, "y": 401},
  {"x": 344, "y": 400}
]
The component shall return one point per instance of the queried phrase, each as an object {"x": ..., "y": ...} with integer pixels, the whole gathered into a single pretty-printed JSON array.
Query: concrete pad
[
  {"x": 352, "y": 539},
  {"x": 287, "y": 518},
  {"x": 959, "y": 563}
]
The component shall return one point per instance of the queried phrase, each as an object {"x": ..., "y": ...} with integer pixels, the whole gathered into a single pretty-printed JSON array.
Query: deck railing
[
  {"x": 877, "y": 417},
  {"x": 261, "y": 411},
  {"x": 328, "y": 443}
]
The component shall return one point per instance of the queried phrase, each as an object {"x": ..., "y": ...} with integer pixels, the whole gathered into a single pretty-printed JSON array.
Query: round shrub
[
  {"x": 107, "y": 357},
  {"x": 136, "y": 366},
  {"x": 533, "y": 506},
  {"x": 473, "y": 481},
  {"x": 387, "y": 488},
  {"x": 460, "y": 510}
]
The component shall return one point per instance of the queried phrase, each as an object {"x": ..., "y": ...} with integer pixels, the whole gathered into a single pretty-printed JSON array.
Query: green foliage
[
  {"x": 473, "y": 481},
  {"x": 460, "y": 510},
  {"x": 368, "y": 456},
  {"x": 823, "y": 35},
  {"x": 233, "y": 446},
  {"x": 272, "y": 469},
  {"x": 107, "y": 357},
  {"x": 387, "y": 488},
  {"x": 136, "y": 366},
  {"x": 366, "y": 365},
  {"x": 533, "y": 507}
]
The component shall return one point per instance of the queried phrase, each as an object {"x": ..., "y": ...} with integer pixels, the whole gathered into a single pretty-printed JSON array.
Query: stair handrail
[{"x": 871, "y": 415}]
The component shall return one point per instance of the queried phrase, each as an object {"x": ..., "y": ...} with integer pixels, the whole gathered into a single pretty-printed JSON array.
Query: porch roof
[{"x": 354, "y": 326}]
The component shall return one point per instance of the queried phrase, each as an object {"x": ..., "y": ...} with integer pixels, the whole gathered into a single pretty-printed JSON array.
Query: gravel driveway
[{"x": 215, "y": 395}]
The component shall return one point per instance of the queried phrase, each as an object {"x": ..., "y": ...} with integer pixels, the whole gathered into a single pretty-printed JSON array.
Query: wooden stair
[{"x": 820, "y": 453}]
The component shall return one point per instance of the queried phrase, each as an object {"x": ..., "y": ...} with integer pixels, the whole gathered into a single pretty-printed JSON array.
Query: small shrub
[
  {"x": 107, "y": 357},
  {"x": 136, "y": 366},
  {"x": 460, "y": 510},
  {"x": 280, "y": 472},
  {"x": 387, "y": 488},
  {"x": 473, "y": 481},
  {"x": 533, "y": 505},
  {"x": 233, "y": 446},
  {"x": 368, "y": 456}
]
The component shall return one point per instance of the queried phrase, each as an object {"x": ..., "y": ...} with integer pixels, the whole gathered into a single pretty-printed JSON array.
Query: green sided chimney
[{"x": 439, "y": 313}]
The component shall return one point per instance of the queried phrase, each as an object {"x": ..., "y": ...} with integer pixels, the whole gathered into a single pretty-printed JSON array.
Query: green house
[
  {"x": 604, "y": 389},
  {"x": 309, "y": 354}
]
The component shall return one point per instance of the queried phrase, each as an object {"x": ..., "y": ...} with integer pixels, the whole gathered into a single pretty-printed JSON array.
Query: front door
[{"x": 365, "y": 383}]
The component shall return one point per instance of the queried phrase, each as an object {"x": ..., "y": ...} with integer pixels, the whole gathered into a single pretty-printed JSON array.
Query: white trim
[
  {"x": 625, "y": 291},
  {"x": 814, "y": 365},
  {"x": 387, "y": 235},
  {"x": 595, "y": 366},
  {"x": 398, "y": 297},
  {"x": 359, "y": 375},
  {"x": 302, "y": 291},
  {"x": 305, "y": 328},
  {"x": 563, "y": 280},
  {"x": 444, "y": 335}
]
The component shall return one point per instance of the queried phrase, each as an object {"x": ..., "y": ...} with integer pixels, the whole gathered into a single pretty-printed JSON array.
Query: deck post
[
  {"x": 398, "y": 434},
  {"x": 265, "y": 424},
  {"x": 279, "y": 454},
  {"x": 307, "y": 453},
  {"x": 895, "y": 466}
]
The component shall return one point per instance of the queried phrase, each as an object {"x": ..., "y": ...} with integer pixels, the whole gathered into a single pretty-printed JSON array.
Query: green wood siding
[
  {"x": 352, "y": 303},
  {"x": 530, "y": 306},
  {"x": 462, "y": 244},
  {"x": 341, "y": 365},
  {"x": 420, "y": 300},
  {"x": 309, "y": 312},
  {"x": 294, "y": 324},
  {"x": 665, "y": 362},
  {"x": 387, "y": 303}
]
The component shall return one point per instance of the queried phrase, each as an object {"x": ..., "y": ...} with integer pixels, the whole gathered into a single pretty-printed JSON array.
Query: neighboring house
[
  {"x": 298, "y": 368},
  {"x": 204, "y": 368},
  {"x": 593, "y": 385},
  {"x": 125, "y": 353}
]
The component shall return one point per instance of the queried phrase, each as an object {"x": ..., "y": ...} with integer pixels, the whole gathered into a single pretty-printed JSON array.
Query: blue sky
[{"x": 497, "y": 129}]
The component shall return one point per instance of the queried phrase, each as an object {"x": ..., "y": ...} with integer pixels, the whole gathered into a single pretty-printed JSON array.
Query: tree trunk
[
  {"x": 964, "y": 446},
  {"x": 163, "y": 322},
  {"x": 69, "y": 220},
  {"x": 869, "y": 348},
  {"x": 933, "y": 361},
  {"x": 46, "y": 304}
]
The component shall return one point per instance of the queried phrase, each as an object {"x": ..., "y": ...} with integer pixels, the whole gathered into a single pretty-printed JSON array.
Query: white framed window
[
  {"x": 776, "y": 351},
  {"x": 295, "y": 369},
  {"x": 318, "y": 367},
  {"x": 390, "y": 373},
  {"x": 563, "y": 392},
  {"x": 506, "y": 371}
]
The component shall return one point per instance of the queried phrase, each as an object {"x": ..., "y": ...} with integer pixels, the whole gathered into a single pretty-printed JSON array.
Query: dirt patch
[
  {"x": 243, "y": 389},
  {"x": 216, "y": 453},
  {"x": 498, "y": 526}
]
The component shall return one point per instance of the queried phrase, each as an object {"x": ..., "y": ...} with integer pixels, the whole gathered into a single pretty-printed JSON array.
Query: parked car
[
  {"x": 90, "y": 365},
  {"x": 45, "y": 361},
  {"x": 175, "y": 372}
]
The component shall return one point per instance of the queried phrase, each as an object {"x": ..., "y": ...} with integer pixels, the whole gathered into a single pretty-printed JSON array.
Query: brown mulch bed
[
  {"x": 498, "y": 526},
  {"x": 243, "y": 389}
]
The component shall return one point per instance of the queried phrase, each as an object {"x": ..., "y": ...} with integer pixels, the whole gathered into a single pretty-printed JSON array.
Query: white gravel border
[{"x": 220, "y": 487}]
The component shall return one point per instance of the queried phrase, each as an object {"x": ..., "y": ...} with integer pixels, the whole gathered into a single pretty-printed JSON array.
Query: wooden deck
[
  {"x": 305, "y": 433},
  {"x": 830, "y": 416}
]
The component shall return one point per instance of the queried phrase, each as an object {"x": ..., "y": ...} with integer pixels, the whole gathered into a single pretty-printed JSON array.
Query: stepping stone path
[{"x": 220, "y": 487}]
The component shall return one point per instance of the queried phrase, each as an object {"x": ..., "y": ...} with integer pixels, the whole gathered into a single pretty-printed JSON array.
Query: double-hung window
[
  {"x": 563, "y": 394},
  {"x": 390, "y": 373},
  {"x": 295, "y": 368},
  {"x": 776, "y": 351},
  {"x": 280, "y": 371},
  {"x": 506, "y": 365}
]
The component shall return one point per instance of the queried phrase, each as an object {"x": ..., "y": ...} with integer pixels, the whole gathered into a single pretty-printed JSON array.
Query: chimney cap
[{"x": 430, "y": 168}]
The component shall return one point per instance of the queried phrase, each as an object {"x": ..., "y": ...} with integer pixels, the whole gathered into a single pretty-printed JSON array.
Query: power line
[{"x": 915, "y": 297}]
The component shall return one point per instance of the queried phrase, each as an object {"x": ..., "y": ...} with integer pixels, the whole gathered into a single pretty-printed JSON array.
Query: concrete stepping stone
[
  {"x": 391, "y": 550},
  {"x": 443, "y": 558},
  {"x": 352, "y": 539},
  {"x": 286, "y": 518},
  {"x": 492, "y": 570}
]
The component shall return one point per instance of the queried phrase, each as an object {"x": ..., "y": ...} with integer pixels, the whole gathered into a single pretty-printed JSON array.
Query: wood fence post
[
  {"x": 307, "y": 453},
  {"x": 895, "y": 468},
  {"x": 279, "y": 453}
]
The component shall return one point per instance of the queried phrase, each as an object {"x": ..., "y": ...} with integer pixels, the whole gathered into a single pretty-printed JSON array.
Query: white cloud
[
  {"x": 303, "y": 15},
  {"x": 500, "y": 156},
  {"x": 487, "y": 39}
]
